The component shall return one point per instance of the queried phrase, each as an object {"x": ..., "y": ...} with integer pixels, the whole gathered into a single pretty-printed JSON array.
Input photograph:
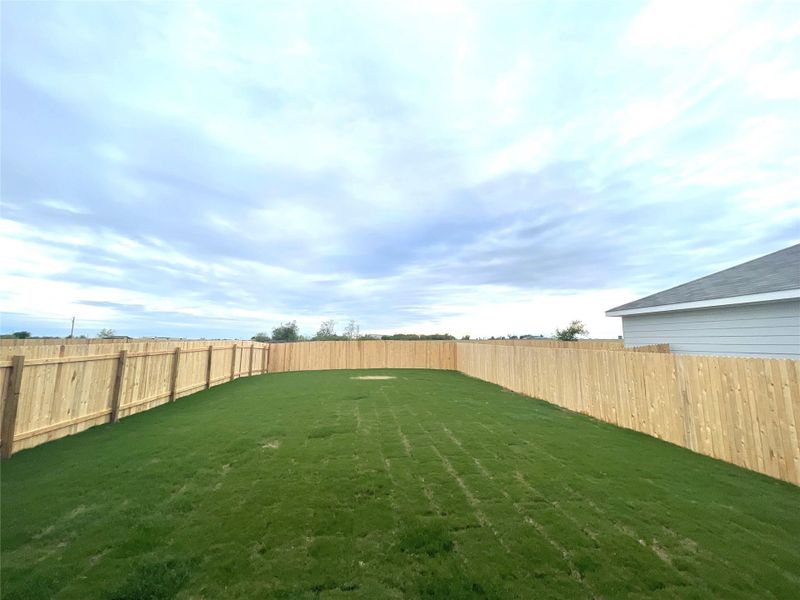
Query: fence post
[
  {"x": 250, "y": 371},
  {"x": 10, "y": 402},
  {"x": 208, "y": 366},
  {"x": 263, "y": 359},
  {"x": 174, "y": 383},
  {"x": 233, "y": 362},
  {"x": 116, "y": 397}
]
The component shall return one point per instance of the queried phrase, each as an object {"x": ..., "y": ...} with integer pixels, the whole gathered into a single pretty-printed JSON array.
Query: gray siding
[{"x": 769, "y": 329}]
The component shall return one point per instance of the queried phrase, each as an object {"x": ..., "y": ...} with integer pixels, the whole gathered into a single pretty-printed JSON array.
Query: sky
[{"x": 490, "y": 168}]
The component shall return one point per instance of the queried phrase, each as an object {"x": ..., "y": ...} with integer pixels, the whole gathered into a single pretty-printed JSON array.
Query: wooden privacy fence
[
  {"x": 365, "y": 354},
  {"x": 579, "y": 344},
  {"x": 742, "y": 410},
  {"x": 47, "y": 348},
  {"x": 545, "y": 343},
  {"x": 51, "y": 390},
  {"x": 662, "y": 348},
  {"x": 66, "y": 391}
]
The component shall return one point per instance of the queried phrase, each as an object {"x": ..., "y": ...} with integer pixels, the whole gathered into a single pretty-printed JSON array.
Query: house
[{"x": 752, "y": 309}]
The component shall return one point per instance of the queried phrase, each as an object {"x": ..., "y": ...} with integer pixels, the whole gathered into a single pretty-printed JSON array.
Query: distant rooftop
[{"x": 776, "y": 272}]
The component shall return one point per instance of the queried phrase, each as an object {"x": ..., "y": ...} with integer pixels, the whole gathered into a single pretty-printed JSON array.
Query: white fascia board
[{"x": 731, "y": 301}]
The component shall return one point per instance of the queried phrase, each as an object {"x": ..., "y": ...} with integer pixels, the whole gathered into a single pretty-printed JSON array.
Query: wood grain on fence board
[
  {"x": 118, "y": 379},
  {"x": 10, "y": 401}
]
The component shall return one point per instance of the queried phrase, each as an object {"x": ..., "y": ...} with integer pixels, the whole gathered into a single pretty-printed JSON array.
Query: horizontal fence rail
[
  {"x": 545, "y": 343},
  {"x": 47, "y": 348},
  {"x": 662, "y": 348},
  {"x": 742, "y": 410},
  {"x": 579, "y": 344}
]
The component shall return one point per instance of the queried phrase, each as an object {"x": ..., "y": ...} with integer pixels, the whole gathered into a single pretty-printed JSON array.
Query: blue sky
[{"x": 485, "y": 168}]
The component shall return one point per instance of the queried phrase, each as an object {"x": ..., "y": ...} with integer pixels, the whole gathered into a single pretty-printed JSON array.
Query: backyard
[{"x": 425, "y": 484}]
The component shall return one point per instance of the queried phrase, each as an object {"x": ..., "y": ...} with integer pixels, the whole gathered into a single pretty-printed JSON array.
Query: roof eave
[{"x": 730, "y": 301}]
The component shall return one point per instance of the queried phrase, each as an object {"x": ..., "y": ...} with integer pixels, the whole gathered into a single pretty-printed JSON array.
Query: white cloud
[
  {"x": 528, "y": 154},
  {"x": 683, "y": 23},
  {"x": 490, "y": 310},
  {"x": 643, "y": 117},
  {"x": 774, "y": 80},
  {"x": 26, "y": 258},
  {"x": 64, "y": 206},
  {"x": 370, "y": 141},
  {"x": 511, "y": 90}
]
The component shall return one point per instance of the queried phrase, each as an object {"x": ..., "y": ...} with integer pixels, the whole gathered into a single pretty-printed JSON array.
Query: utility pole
[{"x": 72, "y": 328}]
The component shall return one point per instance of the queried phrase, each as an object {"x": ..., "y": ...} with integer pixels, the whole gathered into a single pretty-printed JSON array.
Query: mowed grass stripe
[
  {"x": 314, "y": 485},
  {"x": 649, "y": 497},
  {"x": 512, "y": 513},
  {"x": 654, "y": 545}
]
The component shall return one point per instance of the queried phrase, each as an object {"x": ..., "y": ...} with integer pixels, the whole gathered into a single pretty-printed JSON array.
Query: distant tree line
[
  {"x": 289, "y": 332},
  {"x": 417, "y": 336},
  {"x": 572, "y": 332},
  {"x": 26, "y": 335},
  {"x": 526, "y": 336},
  {"x": 17, "y": 335}
]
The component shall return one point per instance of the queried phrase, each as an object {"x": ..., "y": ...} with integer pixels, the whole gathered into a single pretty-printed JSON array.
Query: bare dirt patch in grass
[{"x": 374, "y": 377}]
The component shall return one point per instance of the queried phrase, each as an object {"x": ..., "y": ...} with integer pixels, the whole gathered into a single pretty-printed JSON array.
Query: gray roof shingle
[{"x": 774, "y": 272}]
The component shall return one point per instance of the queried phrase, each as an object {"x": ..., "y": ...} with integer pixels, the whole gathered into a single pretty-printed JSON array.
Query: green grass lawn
[{"x": 432, "y": 485}]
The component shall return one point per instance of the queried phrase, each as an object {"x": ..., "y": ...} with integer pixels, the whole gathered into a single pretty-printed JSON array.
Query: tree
[
  {"x": 351, "y": 332},
  {"x": 286, "y": 332},
  {"x": 417, "y": 336},
  {"x": 327, "y": 331},
  {"x": 466, "y": 337},
  {"x": 106, "y": 333},
  {"x": 572, "y": 332},
  {"x": 21, "y": 335},
  {"x": 261, "y": 336}
]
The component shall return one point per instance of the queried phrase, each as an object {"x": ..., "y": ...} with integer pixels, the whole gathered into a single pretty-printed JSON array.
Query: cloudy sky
[{"x": 485, "y": 168}]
